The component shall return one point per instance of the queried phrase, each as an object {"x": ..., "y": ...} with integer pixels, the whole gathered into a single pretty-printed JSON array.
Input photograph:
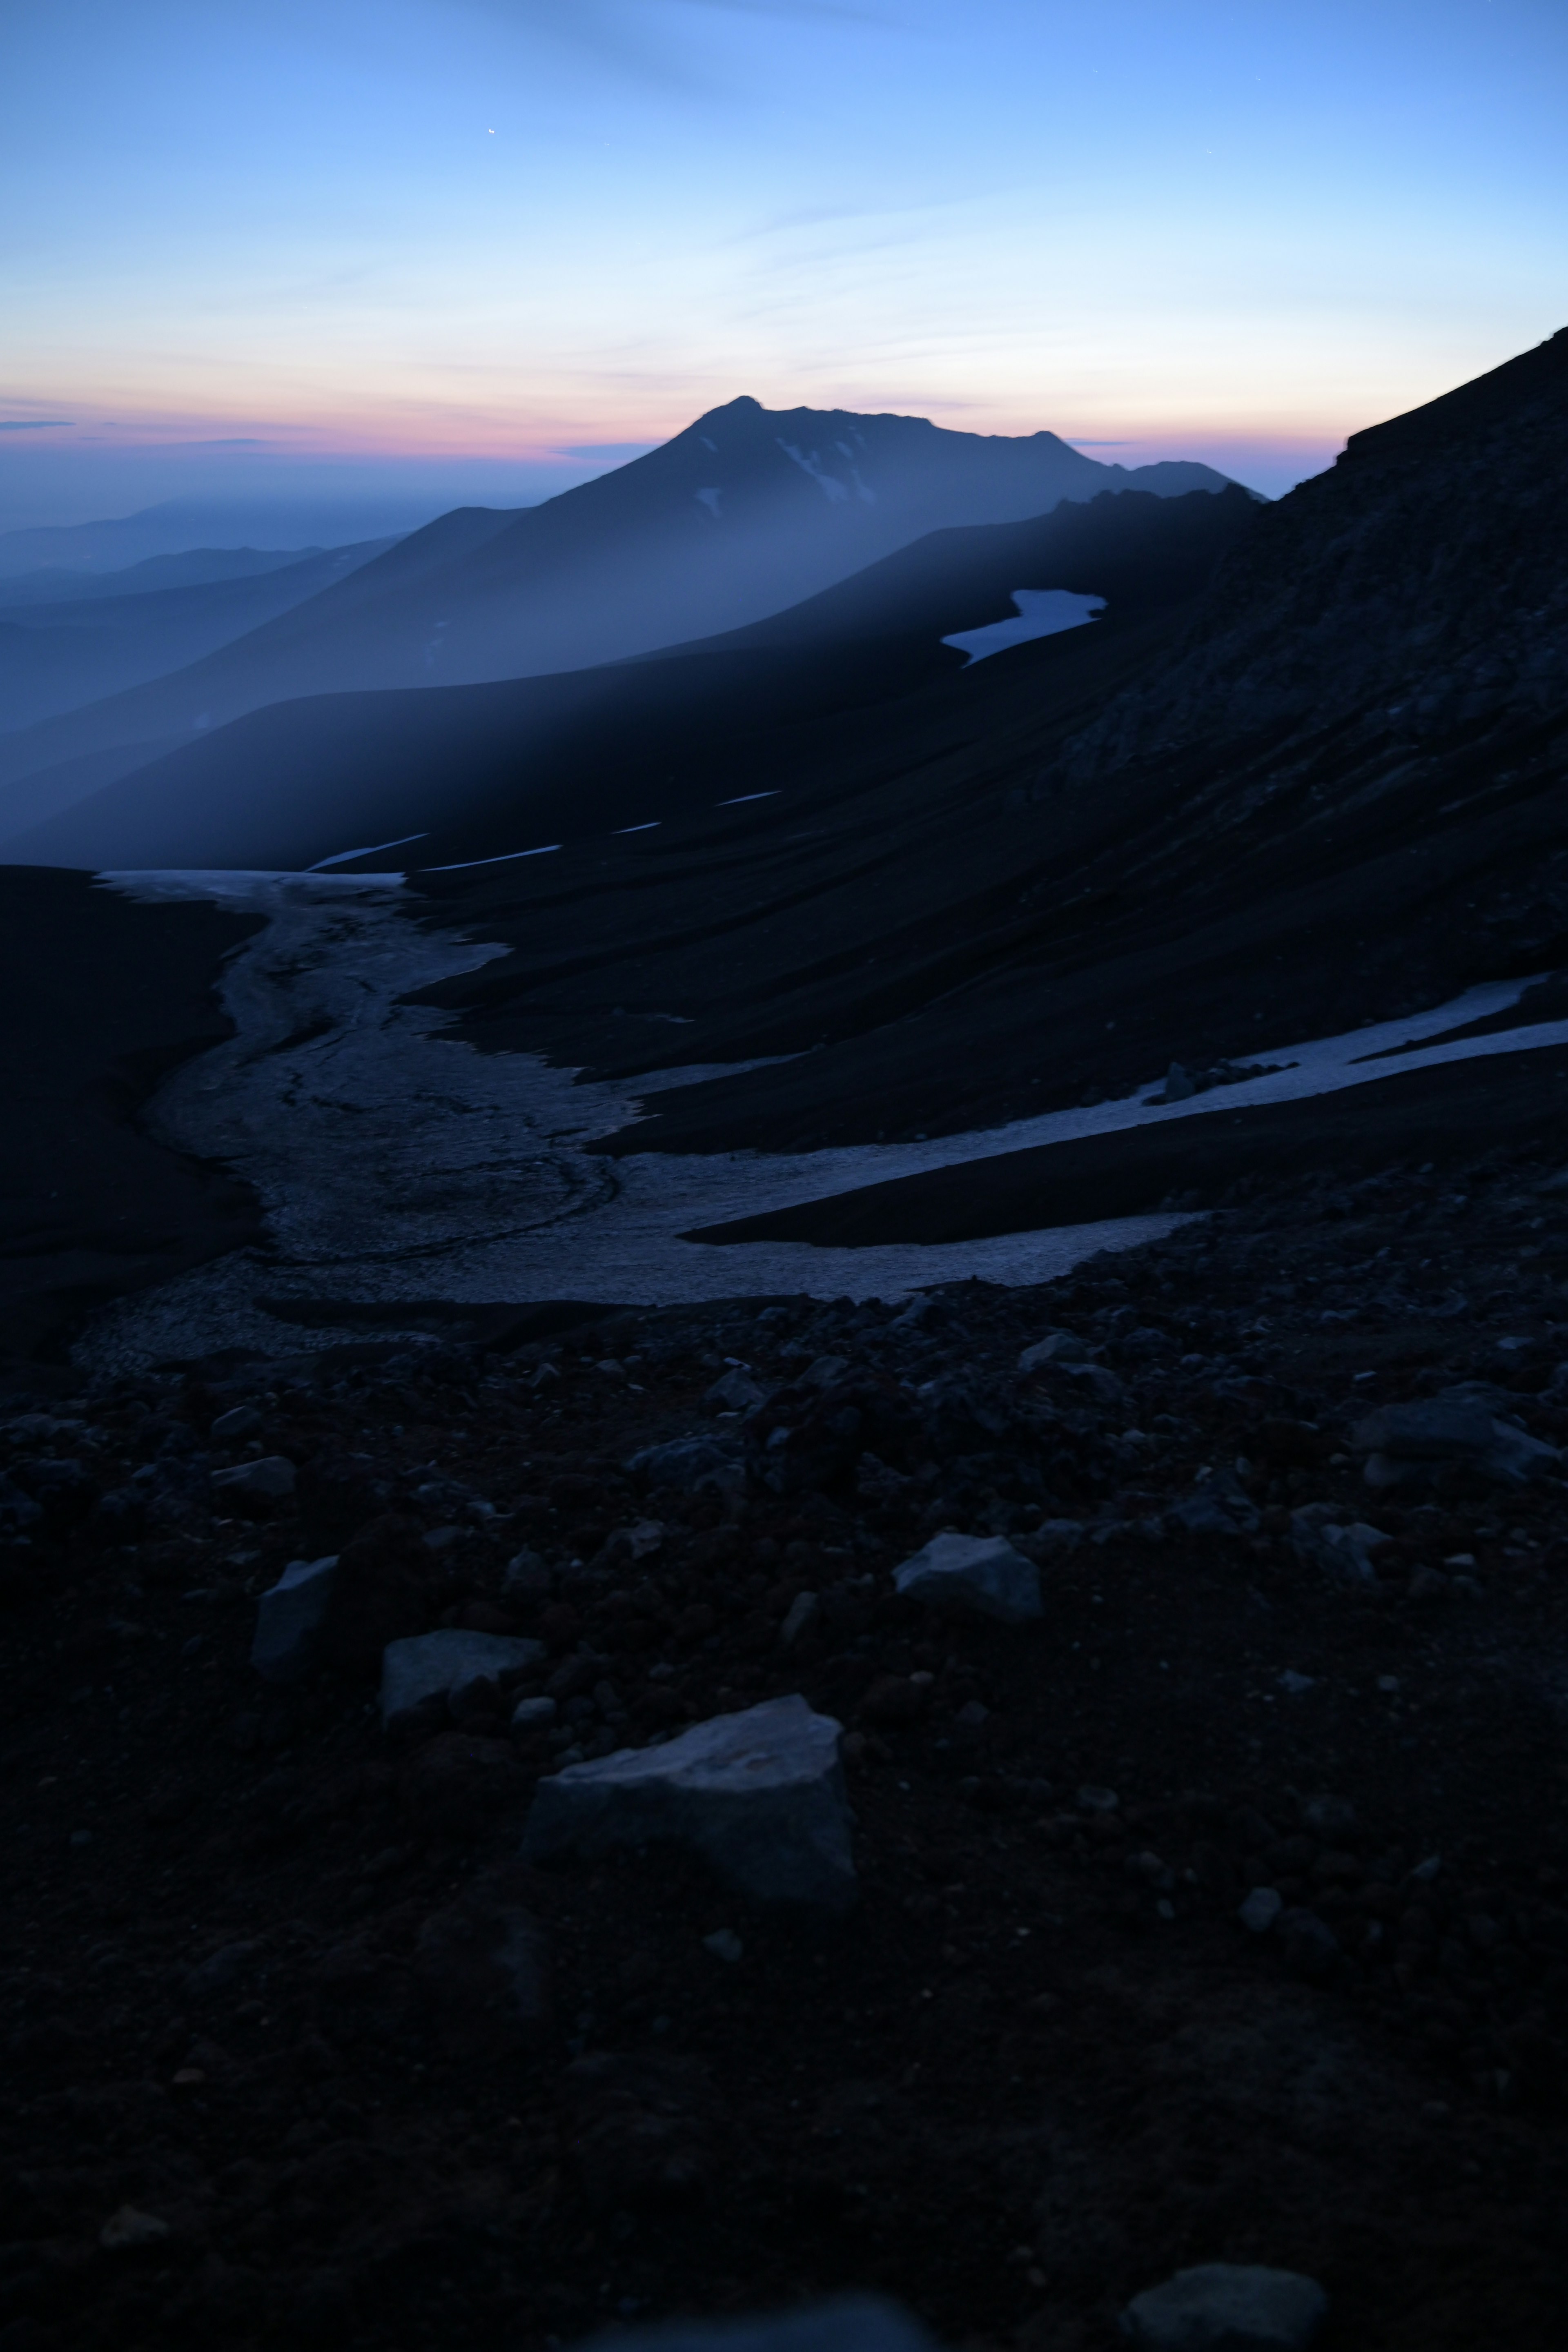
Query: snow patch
[
  {"x": 832, "y": 488},
  {"x": 1042, "y": 613}
]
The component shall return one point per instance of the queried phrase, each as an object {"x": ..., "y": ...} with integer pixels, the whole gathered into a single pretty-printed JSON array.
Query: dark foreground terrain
[{"x": 255, "y": 1989}]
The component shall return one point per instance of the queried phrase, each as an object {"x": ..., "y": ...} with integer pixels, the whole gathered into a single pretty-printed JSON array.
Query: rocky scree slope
[
  {"x": 1219, "y": 1915},
  {"x": 1420, "y": 581}
]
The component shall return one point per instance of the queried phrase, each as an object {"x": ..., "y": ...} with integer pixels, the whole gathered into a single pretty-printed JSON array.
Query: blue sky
[{"x": 428, "y": 250}]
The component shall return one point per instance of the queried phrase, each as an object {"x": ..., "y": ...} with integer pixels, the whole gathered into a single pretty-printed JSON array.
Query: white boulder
[
  {"x": 980, "y": 1574},
  {"x": 267, "y": 1479},
  {"x": 288, "y": 1621},
  {"x": 760, "y": 1794},
  {"x": 1228, "y": 2307}
]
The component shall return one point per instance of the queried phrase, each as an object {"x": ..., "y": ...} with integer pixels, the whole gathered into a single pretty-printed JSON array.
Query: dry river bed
[{"x": 265, "y": 2089}]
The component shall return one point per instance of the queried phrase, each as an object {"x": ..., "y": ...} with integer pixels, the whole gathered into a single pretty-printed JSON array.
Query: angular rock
[
  {"x": 129, "y": 2229},
  {"x": 980, "y": 1574},
  {"x": 1221, "y": 1505},
  {"x": 693, "y": 1465},
  {"x": 266, "y": 1480},
  {"x": 802, "y": 1613},
  {"x": 1100, "y": 1381},
  {"x": 738, "y": 1391},
  {"x": 1321, "y": 1542},
  {"x": 421, "y": 1676},
  {"x": 1228, "y": 2307},
  {"x": 760, "y": 1794},
  {"x": 846, "y": 2324},
  {"x": 1056, "y": 1348},
  {"x": 533, "y": 1714},
  {"x": 288, "y": 1621},
  {"x": 240, "y": 1420},
  {"x": 1435, "y": 1431},
  {"x": 1261, "y": 1910}
]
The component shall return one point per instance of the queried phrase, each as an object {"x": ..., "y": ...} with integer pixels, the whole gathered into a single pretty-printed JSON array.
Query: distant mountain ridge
[{"x": 745, "y": 512}]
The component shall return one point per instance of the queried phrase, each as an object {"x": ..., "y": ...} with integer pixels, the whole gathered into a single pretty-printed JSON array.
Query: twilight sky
[{"x": 402, "y": 252}]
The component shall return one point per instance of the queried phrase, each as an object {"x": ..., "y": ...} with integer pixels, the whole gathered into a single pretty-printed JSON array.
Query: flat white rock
[
  {"x": 1228, "y": 2307},
  {"x": 289, "y": 1620},
  {"x": 760, "y": 1794},
  {"x": 268, "y": 1478},
  {"x": 982, "y": 1574},
  {"x": 427, "y": 1667}
]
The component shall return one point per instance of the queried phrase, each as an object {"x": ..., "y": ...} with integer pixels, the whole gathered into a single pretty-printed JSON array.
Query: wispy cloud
[{"x": 35, "y": 423}]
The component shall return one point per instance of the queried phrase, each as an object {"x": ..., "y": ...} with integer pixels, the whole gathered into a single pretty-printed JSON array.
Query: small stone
[
  {"x": 980, "y": 1574},
  {"x": 724, "y": 1944},
  {"x": 1090, "y": 1800},
  {"x": 802, "y": 1613},
  {"x": 1228, "y": 2307},
  {"x": 533, "y": 1714},
  {"x": 420, "y": 1673},
  {"x": 1178, "y": 1086},
  {"x": 288, "y": 1621},
  {"x": 823, "y": 1372},
  {"x": 240, "y": 1420},
  {"x": 129, "y": 2227},
  {"x": 266, "y": 1480},
  {"x": 760, "y": 1793},
  {"x": 1330, "y": 1817},
  {"x": 223, "y": 1968},
  {"x": 527, "y": 1578},
  {"x": 1261, "y": 1910},
  {"x": 1294, "y": 1685}
]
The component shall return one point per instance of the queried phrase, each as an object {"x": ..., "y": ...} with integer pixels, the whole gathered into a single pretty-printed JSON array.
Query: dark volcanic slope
[
  {"x": 998, "y": 905},
  {"x": 102, "y": 998},
  {"x": 744, "y": 512},
  {"x": 481, "y": 770}
]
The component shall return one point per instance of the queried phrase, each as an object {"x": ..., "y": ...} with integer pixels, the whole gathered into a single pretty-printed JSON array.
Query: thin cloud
[
  {"x": 34, "y": 423},
  {"x": 634, "y": 37}
]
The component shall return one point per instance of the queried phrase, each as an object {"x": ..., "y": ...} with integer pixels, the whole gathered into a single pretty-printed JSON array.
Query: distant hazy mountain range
[
  {"x": 63, "y": 649},
  {"x": 744, "y": 513},
  {"x": 192, "y": 567}
]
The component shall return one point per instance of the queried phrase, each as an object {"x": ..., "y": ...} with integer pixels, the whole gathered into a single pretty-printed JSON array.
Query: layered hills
[
  {"x": 745, "y": 512},
  {"x": 480, "y": 772},
  {"x": 73, "y": 640}
]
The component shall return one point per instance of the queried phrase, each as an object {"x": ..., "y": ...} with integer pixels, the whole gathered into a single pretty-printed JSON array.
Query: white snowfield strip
[
  {"x": 1041, "y": 612},
  {"x": 397, "y": 1162}
]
